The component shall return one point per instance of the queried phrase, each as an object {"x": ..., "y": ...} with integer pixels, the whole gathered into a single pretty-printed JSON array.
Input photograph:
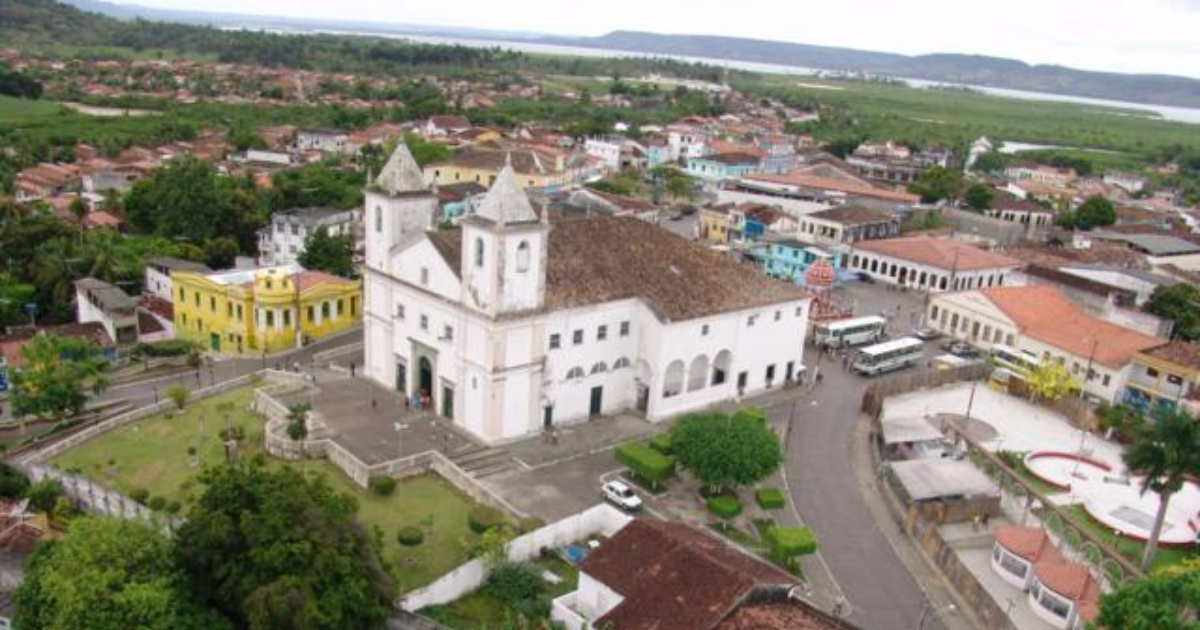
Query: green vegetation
[
  {"x": 724, "y": 451},
  {"x": 1093, "y": 213},
  {"x": 1166, "y": 453},
  {"x": 1179, "y": 303},
  {"x": 167, "y": 348},
  {"x": 410, "y": 536},
  {"x": 661, "y": 443},
  {"x": 481, "y": 518},
  {"x": 646, "y": 463},
  {"x": 769, "y": 498},
  {"x": 16, "y": 84},
  {"x": 788, "y": 542},
  {"x": 1133, "y": 550},
  {"x": 382, "y": 485},
  {"x": 509, "y": 597},
  {"x": 724, "y": 506},
  {"x": 109, "y": 574},
  {"x": 56, "y": 377},
  {"x": 938, "y": 184},
  {"x": 329, "y": 253},
  {"x": 153, "y": 454},
  {"x": 1168, "y": 600}
]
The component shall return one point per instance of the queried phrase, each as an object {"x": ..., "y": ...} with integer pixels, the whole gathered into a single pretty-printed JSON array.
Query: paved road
[
  {"x": 882, "y": 593},
  {"x": 145, "y": 392}
]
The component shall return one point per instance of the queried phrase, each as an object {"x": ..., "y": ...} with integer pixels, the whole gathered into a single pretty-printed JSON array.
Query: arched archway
[
  {"x": 722, "y": 363},
  {"x": 698, "y": 373},
  {"x": 673, "y": 379},
  {"x": 425, "y": 376}
]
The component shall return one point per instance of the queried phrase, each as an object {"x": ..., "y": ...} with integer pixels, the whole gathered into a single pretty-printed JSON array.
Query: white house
[
  {"x": 1131, "y": 183},
  {"x": 685, "y": 142},
  {"x": 109, "y": 306},
  {"x": 931, "y": 264},
  {"x": 1039, "y": 321},
  {"x": 283, "y": 240},
  {"x": 512, "y": 324},
  {"x": 158, "y": 275},
  {"x": 329, "y": 141}
]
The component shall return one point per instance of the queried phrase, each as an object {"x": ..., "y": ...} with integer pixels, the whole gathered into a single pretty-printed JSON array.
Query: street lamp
[{"x": 928, "y": 612}]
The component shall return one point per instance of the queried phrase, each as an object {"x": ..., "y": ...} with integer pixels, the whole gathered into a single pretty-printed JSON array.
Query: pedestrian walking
[{"x": 352, "y": 369}]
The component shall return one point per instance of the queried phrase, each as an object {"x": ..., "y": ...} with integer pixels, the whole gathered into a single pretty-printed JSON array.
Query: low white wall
[{"x": 602, "y": 519}]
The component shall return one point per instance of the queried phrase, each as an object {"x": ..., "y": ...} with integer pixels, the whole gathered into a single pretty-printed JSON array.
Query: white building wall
[
  {"x": 159, "y": 284},
  {"x": 593, "y": 599},
  {"x": 897, "y": 271}
]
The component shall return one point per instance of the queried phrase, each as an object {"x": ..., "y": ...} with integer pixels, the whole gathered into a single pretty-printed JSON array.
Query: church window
[
  {"x": 599, "y": 368},
  {"x": 620, "y": 363},
  {"x": 555, "y": 341},
  {"x": 602, "y": 333},
  {"x": 577, "y": 337},
  {"x": 624, "y": 329},
  {"x": 378, "y": 219},
  {"x": 575, "y": 373},
  {"x": 424, "y": 276},
  {"x": 523, "y": 257},
  {"x": 478, "y": 252}
]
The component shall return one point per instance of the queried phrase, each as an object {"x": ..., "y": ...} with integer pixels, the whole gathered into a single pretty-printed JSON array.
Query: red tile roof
[
  {"x": 944, "y": 253},
  {"x": 1030, "y": 543},
  {"x": 820, "y": 177},
  {"x": 306, "y": 280},
  {"x": 1043, "y": 313},
  {"x": 1177, "y": 352},
  {"x": 1071, "y": 580},
  {"x": 674, "y": 577}
]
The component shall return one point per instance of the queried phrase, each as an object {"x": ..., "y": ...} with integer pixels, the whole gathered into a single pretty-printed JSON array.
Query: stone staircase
[{"x": 482, "y": 461}]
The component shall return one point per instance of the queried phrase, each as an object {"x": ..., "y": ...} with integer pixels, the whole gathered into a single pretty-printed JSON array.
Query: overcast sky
[{"x": 1160, "y": 36}]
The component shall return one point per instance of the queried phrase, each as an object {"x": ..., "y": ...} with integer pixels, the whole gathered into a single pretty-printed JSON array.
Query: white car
[{"x": 621, "y": 495}]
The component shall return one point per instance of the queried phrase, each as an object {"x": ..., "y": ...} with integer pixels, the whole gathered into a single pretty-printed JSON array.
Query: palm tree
[
  {"x": 54, "y": 268},
  {"x": 1166, "y": 451}
]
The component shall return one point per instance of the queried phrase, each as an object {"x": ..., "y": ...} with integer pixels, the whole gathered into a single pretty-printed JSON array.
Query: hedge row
[
  {"x": 725, "y": 506},
  {"x": 481, "y": 519},
  {"x": 410, "y": 536},
  {"x": 769, "y": 498},
  {"x": 168, "y": 348},
  {"x": 645, "y": 462},
  {"x": 786, "y": 542},
  {"x": 756, "y": 415},
  {"x": 661, "y": 443}
]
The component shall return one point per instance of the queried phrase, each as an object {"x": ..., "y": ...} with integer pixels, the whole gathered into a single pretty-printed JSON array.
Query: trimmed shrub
[
  {"x": 13, "y": 483},
  {"x": 173, "y": 507},
  {"x": 769, "y": 498},
  {"x": 169, "y": 348},
  {"x": 787, "y": 542},
  {"x": 157, "y": 503},
  {"x": 481, "y": 519},
  {"x": 43, "y": 495},
  {"x": 661, "y": 443},
  {"x": 515, "y": 582},
  {"x": 410, "y": 536},
  {"x": 139, "y": 495},
  {"x": 753, "y": 414},
  {"x": 725, "y": 506},
  {"x": 382, "y": 486},
  {"x": 645, "y": 462}
]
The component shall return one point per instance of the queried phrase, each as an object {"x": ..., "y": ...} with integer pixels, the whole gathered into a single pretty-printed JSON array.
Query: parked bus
[
  {"x": 889, "y": 355},
  {"x": 1019, "y": 362},
  {"x": 849, "y": 332}
]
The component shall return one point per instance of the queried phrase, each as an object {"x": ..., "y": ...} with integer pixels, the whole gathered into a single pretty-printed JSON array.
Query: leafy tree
[
  {"x": 1050, "y": 381},
  {"x": 55, "y": 377},
  {"x": 979, "y": 197},
  {"x": 1167, "y": 600},
  {"x": 221, "y": 252},
  {"x": 1166, "y": 452},
  {"x": 274, "y": 550},
  {"x": 188, "y": 199},
  {"x": 17, "y": 84},
  {"x": 990, "y": 162},
  {"x": 79, "y": 208},
  {"x": 1095, "y": 212},
  {"x": 330, "y": 253},
  {"x": 14, "y": 295},
  {"x": 315, "y": 185},
  {"x": 424, "y": 151},
  {"x": 1179, "y": 303},
  {"x": 44, "y": 494},
  {"x": 179, "y": 395},
  {"x": 13, "y": 483},
  {"x": 108, "y": 574},
  {"x": 725, "y": 452},
  {"x": 1123, "y": 420},
  {"x": 937, "y": 184},
  {"x": 297, "y": 418},
  {"x": 493, "y": 544}
]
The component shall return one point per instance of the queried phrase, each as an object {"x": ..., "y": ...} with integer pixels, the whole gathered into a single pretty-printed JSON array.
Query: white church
[{"x": 513, "y": 324}]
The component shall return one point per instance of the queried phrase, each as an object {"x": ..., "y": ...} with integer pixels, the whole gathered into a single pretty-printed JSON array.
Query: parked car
[
  {"x": 621, "y": 495},
  {"x": 960, "y": 349},
  {"x": 925, "y": 333}
]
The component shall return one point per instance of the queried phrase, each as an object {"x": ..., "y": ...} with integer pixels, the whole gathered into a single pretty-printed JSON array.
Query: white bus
[
  {"x": 1019, "y": 362},
  {"x": 849, "y": 332},
  {"x": 889, "y": 355}
]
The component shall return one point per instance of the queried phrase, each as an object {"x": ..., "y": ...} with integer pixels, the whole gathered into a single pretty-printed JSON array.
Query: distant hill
[{"x": 950, "y": 68}]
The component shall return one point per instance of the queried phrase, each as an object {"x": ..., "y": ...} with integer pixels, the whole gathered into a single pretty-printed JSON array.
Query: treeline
[{"x": 16, "y": 84}]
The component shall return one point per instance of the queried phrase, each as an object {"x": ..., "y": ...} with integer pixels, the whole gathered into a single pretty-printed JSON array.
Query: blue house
[
  {"x": 459, "y": 199},
  {"x": 788, "y": 259},
  {"x": 723, "y": 166}
]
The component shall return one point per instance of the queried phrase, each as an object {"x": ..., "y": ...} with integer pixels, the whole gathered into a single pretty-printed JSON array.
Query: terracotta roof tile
[
  {"x": 1177, "y": 352},
  {"x": 1030, "y": 543},
  {"x": 306, "y": 280},
  {"x": 943, "y": 253},
  {"x": 1069, "y": 579},
  {"x": 1042, "y": 312},
  {"x": 674, "y": 577}
]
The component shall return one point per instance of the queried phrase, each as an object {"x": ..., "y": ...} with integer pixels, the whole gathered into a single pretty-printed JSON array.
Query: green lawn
[
  {"x": 1129, "y": 548},
  {"x": 152, "y": 454}
]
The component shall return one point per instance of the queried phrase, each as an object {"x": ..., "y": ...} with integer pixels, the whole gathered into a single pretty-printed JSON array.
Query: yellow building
[
  {"x": 713, "y": 224},
  {"x": 534, "y": 168},
  {"x": 262, "y": 310}
]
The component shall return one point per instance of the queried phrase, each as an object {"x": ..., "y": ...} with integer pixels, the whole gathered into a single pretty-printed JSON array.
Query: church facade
[{"x": 511, "y": 323}]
